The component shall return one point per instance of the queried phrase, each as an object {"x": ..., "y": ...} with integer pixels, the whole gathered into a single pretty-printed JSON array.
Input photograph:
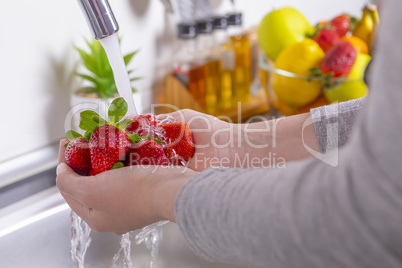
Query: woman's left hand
[{"x": 124, "y": 199}]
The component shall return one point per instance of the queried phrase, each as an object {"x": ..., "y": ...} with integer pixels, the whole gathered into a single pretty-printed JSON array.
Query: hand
[
  {"x": 124, "y": 199},
  {"x": 219, "y": 143},
  {"x": 268, "y": 143}
]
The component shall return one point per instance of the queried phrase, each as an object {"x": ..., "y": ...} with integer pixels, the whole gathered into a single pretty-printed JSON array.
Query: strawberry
[
  {"x": 326, "y": 39},
  {"x": 108, "y": 145},
  {"x": 147, "y": 152},
  {"x": 341, "y": 24},
  {"x": 107, "y": 142},
  {"x": 143, "y": 125},
  {"x": 178, "y": 141},
  {"x": 339, "y": 59},
  {"x": 92, "y": 172},
  {"x": 77, "y": 156}
]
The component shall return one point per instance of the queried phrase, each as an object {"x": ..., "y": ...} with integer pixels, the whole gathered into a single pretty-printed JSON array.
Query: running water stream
[
  {"x": 116, "y": 60},
  {"x": 80, "y": 239}
]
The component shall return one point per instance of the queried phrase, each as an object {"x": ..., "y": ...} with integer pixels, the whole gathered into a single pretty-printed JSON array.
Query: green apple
[
  {"x": 345, "y": 91},
  {"x": 281, "y": 28}
]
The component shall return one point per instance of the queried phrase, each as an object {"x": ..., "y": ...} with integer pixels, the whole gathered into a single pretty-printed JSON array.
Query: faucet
[{"x": 100, "y": 18}]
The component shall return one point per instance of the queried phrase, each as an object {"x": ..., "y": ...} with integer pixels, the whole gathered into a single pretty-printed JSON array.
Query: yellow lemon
[
  {"x": 361, "y": 62},
  {"x": 299, "y": 59},
  {"x": 345, "y": 91}
]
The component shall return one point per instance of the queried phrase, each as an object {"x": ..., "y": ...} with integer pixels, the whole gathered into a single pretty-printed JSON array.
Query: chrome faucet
[{"x": 100, "y": 18}]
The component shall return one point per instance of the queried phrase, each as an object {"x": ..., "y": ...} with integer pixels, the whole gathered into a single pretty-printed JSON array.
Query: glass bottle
[
  {"x": 224, "y": 50},
  {"x": 241, "y": 45},
  {"x": 187, "y": 64},
  {"x": 211, "y": 65}
]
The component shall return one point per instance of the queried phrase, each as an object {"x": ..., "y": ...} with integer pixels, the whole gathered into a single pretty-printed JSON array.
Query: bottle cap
[
  {"x": 204, "y": 26},
  {"x": 220, "y": 23},
  {"x": 187, "y": 30},
  {"x": 235, "y": 19}
]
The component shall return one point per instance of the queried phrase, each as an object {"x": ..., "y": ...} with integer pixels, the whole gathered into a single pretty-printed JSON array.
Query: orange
[
  {"x": 359, "y": 44},
  {"x": 321, "y": 24}
]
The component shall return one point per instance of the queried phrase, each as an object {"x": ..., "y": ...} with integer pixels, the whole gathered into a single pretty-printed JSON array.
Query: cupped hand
[{"x": 124, "y": 199}]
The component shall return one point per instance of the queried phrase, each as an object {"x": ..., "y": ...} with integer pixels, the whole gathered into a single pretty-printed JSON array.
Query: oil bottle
[
  {"x": 224, "y": 50},
  {"x": 185, "y": 51},
  {"x": 188, "y": 65},
  {"x": 241, "y": 45},
  {"x": 210, "y": 69}
]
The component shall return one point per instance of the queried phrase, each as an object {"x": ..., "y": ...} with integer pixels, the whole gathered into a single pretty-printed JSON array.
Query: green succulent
[{"x": 100, "y": 72}]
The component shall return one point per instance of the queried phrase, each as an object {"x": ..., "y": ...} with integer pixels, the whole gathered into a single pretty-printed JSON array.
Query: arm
[
  {"x": 311, "y": 214},
  {"x": 222, "y": 144}
]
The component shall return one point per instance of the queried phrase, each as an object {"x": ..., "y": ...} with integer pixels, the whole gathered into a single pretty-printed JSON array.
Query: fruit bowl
[{"x": 273, "y": 79}]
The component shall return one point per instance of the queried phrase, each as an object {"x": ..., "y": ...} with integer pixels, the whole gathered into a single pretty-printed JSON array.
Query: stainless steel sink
[{"x": 36, "y": 233}]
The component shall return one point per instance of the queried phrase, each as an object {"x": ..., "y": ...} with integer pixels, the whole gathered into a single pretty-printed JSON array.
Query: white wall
[{"x": 37, "y": 58}]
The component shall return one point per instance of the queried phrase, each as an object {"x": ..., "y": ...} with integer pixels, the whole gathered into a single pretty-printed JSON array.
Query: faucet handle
[{"x": 100, "y": 18}]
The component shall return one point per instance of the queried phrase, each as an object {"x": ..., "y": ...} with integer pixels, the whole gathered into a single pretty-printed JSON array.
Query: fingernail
[{"x": 60, "y": 168}]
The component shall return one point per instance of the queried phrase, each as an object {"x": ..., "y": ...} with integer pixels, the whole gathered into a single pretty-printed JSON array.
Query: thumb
[
  {"x": 68, "y": 181},
  {"x": 62, "y": 149}
]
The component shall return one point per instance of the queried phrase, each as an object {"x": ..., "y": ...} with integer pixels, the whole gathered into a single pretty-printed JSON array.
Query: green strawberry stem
[
  {"x": 71, "y": 135},
  {"x": 90, "y": 121},
  {"x": 327, "y": 80},
  {"x": 117, "y": 165}
]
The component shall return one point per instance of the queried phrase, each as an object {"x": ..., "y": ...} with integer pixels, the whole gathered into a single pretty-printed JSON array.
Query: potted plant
[{"x": 98, "y": 85}]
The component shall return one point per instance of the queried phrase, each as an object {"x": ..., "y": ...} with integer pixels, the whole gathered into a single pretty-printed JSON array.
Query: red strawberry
[
  {"x": 108, "y": 145},
  {"x": 326, "y": 39},
  {"x": 78, "y": 156},
  {"x": 341, "y": 24},
  {"x": 147, "y": 152},
  {"x": 92, "y": 172},
  {"x": 143, "y": 125},
  {"x": 179, "y": 143},
  {"x": 339, "y": 59}
]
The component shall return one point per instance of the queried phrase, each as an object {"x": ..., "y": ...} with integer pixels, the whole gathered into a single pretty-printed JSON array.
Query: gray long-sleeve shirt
[{"x": 312, "y": 214}]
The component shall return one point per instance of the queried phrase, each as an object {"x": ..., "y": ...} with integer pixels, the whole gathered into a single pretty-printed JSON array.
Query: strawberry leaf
[
  {"x": 117, "y": 110},
  {"x": 353, "y": 22},
  {"x": 88, "y": 135},
  {"x": 124, "y": 123},
  {"x": 151, "y": 138},
  {"x": 316, "y": 71},
  {"x": 117, "y": 165},
  {"x": 87, "y": 123},
  {"x": 71, "y": 135},
  {"x": 98, "y": 120},
  {"x": 134, "y": 138}
]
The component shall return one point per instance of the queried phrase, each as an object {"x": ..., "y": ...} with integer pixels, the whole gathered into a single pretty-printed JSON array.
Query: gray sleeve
[
  {"x": 334, "y": 123},
  {"x": 341, "y": 210}
]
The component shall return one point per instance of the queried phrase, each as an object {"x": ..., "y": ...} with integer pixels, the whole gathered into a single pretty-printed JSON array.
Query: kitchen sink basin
[{"x": 36, "y": 233}]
